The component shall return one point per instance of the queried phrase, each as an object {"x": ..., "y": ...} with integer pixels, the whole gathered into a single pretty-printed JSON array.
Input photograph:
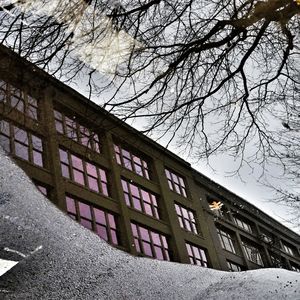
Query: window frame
[
  {"x": 183, "y": 220},
  {"x": 197, "y": 254},
  {"x": 176, "y": 182},
  {"x": 228, "y": 243},
  {"x": 248, "y": 249}
]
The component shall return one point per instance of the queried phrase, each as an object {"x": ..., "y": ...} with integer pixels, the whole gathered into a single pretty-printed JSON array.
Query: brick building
[{"x": 129, "y": 190}]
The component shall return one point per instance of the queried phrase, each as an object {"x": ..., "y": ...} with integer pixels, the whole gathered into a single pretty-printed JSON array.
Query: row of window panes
[
  {"x": 252, "y": 253},
  {"x": 140, "y": 199},
  {"x": 21, "y": 143},
  {"x": 233, "y": 267},
  {"x": 197, "y": 255},
  {"x": 176, "y": 183},
  {"x": 186, "y": 218},
  {"x": 242, "y": 224},
  {"x": 131, "y": 162},
  {"x": 226, "y": 240},
  {"x": 73, "y": 130},
  {"x": 83, "y": 172},
  {"x": 150, "y": 243},
  {"x": 101, "y": 222},
  {"x": 17, "y": 99}
]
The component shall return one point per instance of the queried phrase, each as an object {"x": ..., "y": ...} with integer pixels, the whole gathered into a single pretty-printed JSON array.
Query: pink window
[{"x": 176, "y": 183}]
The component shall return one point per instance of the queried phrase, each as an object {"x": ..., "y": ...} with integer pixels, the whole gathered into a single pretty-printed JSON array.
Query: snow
[{"x": 62, "y": 260}]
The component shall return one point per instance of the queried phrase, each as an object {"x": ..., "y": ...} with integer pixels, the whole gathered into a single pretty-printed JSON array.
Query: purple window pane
[
  {"x": 63, "y": 156},
  {"x": 4, "y": 127},
  {"x": 153, "y": 198},
  {"x": 147, "y": 174},
  {"x": 148, "y": 209},
  {"x": 86, "y": 223},
  {"x": 147, "y": 249},
  {"x": 191, "y": 216},
  {"x": 72, "y": 216},
  {"x": 127, "y": 164},
  {"x": 189, "y": 249},
  {"x": 17, "y": 103},
  {"x": 178, "y": 210},
  {"x": 137, "y": 160},
  {"x": 196, "y": 252},
  {"x": 38, "y": 158},
  {"x": 184, "y": 192},
  {"x": 78, "y": 177},
  {"x": 187, "y": 225},
  {"x": 57, "y": 115},
  {"x": 93, "y": 184},
  {"x": 32, "y": 101},
  {"x": 137, "y": 245},
  {"x": 194, "y": 229},
  {"x": 77, "y": 162},
  {"x": 167, "y": 255},
  {"x": 65, "y": 171},
  {"x": 168, "y": 174},
  {"x": 118, "y": 158},
  {"x": 42, "y": 189},
  {"x": 134, "y": 230},
  {"x": 71, "y": 133},
  {"x": 21, "y": 151},
  {"x": 71, "y": 205},
  {"x": 180, "y": 222},
  {"x": 102, "y": 232},
  {"x": 97, "y": 147},
  {"x": 85, "y": 210},
  {"x": 104, "y": 189},
  {"x": 99, "y": 216},
  {"x": 144, "y": 234},
  {"x": 138, "y": 169},
  {"x": 134, "y": 191},
  {"x": 127, "y": 199},
  {"x": 111, "y": 220},
  {"x": 177, "y": 188},
  {"x": 158, "y": 253},
  {"x": 156, "y": 214},
  {"x": 114, "y": 237},
  {"x": 124, "y": 185},
  {"x": 185, "y": 213},
  {"x": 117, "y": 150},
  {"x": 155, "y": 238},
  {"x": 175, "y": 179},
  {"x": 137, "y": 204},
  {"x": 165, "y": 243},
  {"x": 5, "y": 143},
  {"x": 146, "y": 196},
  {"x": 21, "y": 135},
  {"x": 59, "y": 127},
  {"x": 85, "y": 140},
  {"x": 170, "y": 185},
  {"x": 126, "y": 154},
  {"x": 181, "y": 182},
  {"x": 102, "y": 175},
  {"x": 203, "y": 255},
  {"x": 91, "y": 170},
  {"x": 37, "y": 143}
]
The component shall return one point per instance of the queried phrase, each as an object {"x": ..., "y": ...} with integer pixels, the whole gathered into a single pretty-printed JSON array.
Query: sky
[{"x": 105, "y": 59}]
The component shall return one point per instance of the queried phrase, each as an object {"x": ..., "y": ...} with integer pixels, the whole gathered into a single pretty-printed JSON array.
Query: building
[{"x": 132, "y": 192}]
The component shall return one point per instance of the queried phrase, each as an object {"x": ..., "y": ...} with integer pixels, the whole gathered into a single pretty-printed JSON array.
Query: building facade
[{"x": 130, "y": 191}]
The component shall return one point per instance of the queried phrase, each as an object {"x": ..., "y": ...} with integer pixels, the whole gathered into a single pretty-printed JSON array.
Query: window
[
  {"x": 288, "y": 249},
  {"x": 218, "y": 208},
  {"x": 276, "y": 261},
  {"x": 226, "y": 240},
  {"x": 84, "y": 173},
  {"x": 197, "y": 255},
  {"x": 186, "y": 218},
  {"x": 76, "y": 132},
  {"x": 95, "y": 219},
  {"x": 242, "y": 224},
  {"x": 19, "y": 100},
  {"x": 21, "y": 143},
  {"x": 150, "y": 243},
  {"x": 140, "y": 199},
  {"x": 252, "y": 253},
  {"x": 42, "y": 189},
  {"x": 233, "y": 267},
  {"x": 176, "y": 183},
  {"x": 132, "y": 162},
  {"x": 267, "y": 237}
]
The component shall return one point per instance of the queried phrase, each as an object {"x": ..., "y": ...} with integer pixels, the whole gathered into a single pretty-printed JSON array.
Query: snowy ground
[{"x": 58, "y": 259}]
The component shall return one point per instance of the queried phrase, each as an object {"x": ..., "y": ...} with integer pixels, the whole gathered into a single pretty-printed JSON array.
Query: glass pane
[
  {"x": 4, "y": 127},
  {"x": 91, "y": 170},
  {"x": 102, "y": 175},
  {"x": 32, "y": 101},
  {"x": 134, "y": 230},
  {"x": 70, "y": 205},
  {"x": 127, "y": 163},
  {"x": 32, "y": 112},
  {"x": 124, "y": 185},
  {"x": 155, "y": 238},
  {"x": 78, "y": 176},
  {"x": 144, "y": 234},
  {"x": 134, "y": 191},
  {"x": 147, "y": 249},
  {"x": 63, "y": 156},
  {"x": 127, "y": 199},
  {"x": 148, "y": 209},
  {"x": 77, "y": 162},
  {"x": 85, "y": 210},
  {"x": 37, "y": 143},
  {"x": 38, "y": 158},
  {"x": 4, "y": 142},
  {"x": 137, "y": 245},
  {"x": 104, "y": 189},
  {"x": 42, "y": 189},
  {"x": 158, "y": 253},
  {"x": 86, "y": 223},
  {"x": 21, "y": 135},
  {"x": 93, "y": 184},
  {"x": 99, "y": 216},
  {"x": 111, "y": 220},
  {"x": 59, "y": 126},
  {"x": 21, "y": 151},
  {"x": 137, "y": 204},
  {"x": 145, "y": 196},
  {"x": 57, "y": 115},
  {"x": 114, "y": 237},
  {"x": 65, "y": 171}
]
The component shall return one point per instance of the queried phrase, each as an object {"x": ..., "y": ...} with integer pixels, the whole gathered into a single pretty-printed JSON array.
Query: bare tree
[{"x": 212, "y": 75}]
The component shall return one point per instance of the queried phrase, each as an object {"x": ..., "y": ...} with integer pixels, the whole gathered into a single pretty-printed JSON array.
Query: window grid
[
  {"x": 132, "y": 162},
  {"x": 252, "y": 253},
  {"x": 140, "y": 199},
  {"x": 21, "y": 143},
  {"x": 233, "y": 267},
  {"x": 150, "y": 243},
  {"x": 83, "y": 173},
  {"x": 186, "y": 218},
  {"x": 242, "y": 224},
  {"x": 19, "y": 100},
  {"x": 197, "y": 255},
  {"x": 76, "y": 132},
  {"x": 288, "y": 249},
  {"x": 226, "y": 240},
  {"x": 176, "y": 183},
  {"x": 95, "y": 219}
]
